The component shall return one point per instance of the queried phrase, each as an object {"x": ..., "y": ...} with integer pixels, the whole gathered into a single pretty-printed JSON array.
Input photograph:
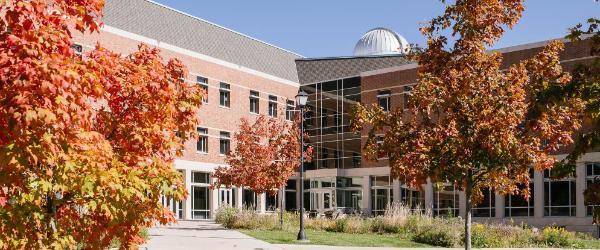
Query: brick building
[
  {"x": 340, "y": 177},
  {"x": 235, "y": 69},
  {"x": 245, "y": 77}
]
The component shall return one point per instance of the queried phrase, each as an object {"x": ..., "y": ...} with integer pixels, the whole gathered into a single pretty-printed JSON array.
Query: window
[
  {"x": 487, "y": 206},
  {"x": 383, "y": 98},
  {"x": 272, "y": 202},
  {"x": 405, "y": 95},
  {"x": 592, "y": 174},
  {"x": 559, "y": 196},
  {"x": 290, "y": 195},
  {"x": 225, "y": 95},
  {"x": 517, "y": 205},
  {"x": 289, "y": 110},
  {"x": 78, "y": 50},
  {"x": 202, "y": 143},
  {"x": 254, "y": 102},
  {"x": 224, "y": 143},
  {"x": 324, "y": 156},
  {"x": 273, "y": 106},
  {"x": 249, "y": 199},
  {"x": 445, "y": 201},
  {"x": 355, "y": 160},
  {"x": 382, "y": 194},
  {"x": 200, "y": 200},
  {"x": 414, "y": 199},
  {"x": 323, "y": 118},
  {"x": 203, "y": 82},
  {"x": 200, "y": 177}
]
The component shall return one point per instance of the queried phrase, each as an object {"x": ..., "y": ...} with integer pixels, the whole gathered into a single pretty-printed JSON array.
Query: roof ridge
[{"x": 222, "y": 27}]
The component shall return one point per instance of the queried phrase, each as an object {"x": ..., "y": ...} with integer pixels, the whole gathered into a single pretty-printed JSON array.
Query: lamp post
[{"x": 301, "y": 99}]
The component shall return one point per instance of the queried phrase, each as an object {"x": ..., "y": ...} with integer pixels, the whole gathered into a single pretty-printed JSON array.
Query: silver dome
[{"x": 381, "y": 41}]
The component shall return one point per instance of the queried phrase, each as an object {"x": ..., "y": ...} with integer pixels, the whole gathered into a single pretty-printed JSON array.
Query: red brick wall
[
  {"x": 575, "y": 53},
  {"x": 212, "y": 116}
]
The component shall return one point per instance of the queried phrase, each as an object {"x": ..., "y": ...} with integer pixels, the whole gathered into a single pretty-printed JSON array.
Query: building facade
[
  {"x": 245, "y": 77},
  {"x": 339, "y": 177}
]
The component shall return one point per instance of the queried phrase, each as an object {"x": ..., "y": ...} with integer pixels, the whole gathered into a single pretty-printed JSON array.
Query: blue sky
[{"x": 321, "y": 28}]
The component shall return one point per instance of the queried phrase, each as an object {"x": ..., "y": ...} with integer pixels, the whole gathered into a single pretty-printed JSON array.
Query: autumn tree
[
  {"x": 86, "y": 144},
  {"x": 266, "y": 155},
  {"x": 471, "y": 122},
  {"x": 586, "y": 85}
]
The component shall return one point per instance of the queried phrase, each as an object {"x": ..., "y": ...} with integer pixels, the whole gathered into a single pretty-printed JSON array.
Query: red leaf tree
[
  {"x": 86, "y": 144},
  {"x": 471, "y": 122},
  {"x": 266, "y": 155}
]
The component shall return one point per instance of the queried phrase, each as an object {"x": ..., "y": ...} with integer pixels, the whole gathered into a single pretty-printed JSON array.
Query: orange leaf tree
[
  {"x": 86, "y": 144},
  {"x": 471, "y": 122},
  {"x": 266, "y": 155}
]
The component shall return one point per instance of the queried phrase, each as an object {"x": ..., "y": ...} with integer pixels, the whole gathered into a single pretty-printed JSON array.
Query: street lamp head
[{"x": 301, "y": 98}]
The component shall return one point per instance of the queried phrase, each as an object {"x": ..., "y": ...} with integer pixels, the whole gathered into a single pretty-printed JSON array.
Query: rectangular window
[
  {"x": 203, "y": 82},
  {"x": 414, "y": 199},
  {"x": 202, "y": 143},
  {"x": 254, "y": 102},
  {"x": 224, "y": 143},
  {"x": 200, "y": 177},
  {"x": 324, "y": 118},
  {"x": 200, "y": 207},
  {"x": 445, "y": 201},
  {"x": 405, "y": 95},
  {"x": 383, "y": 98},
  {"x": 559, "y": 196},
  {"x": 78, "y": 50},
  {"x": 273, "y": 106},
  {"x": 592, "y": 174},
  {"x": 517, "y": 205},
  {"x": 324, "y": 157},
  {"x": 225, "y": 95},
  {"x": 289, "y": 110},
  {"x": 487, "y": 206}
]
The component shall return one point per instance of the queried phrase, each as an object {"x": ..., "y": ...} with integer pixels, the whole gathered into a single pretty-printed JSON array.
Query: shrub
[
  {"x": 440, "y": 235},
  {"x": 557, "y": 237},
  {"x": 226, "y": 216}
]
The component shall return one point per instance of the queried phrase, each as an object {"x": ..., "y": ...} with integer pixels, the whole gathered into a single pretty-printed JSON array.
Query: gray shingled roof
[
  {"x": 313, "y": 70},
  {"x": 166, "y": 25}
]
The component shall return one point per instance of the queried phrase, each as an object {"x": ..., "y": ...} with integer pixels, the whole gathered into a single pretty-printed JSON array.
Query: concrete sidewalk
[{"x": 202, "y": 235}]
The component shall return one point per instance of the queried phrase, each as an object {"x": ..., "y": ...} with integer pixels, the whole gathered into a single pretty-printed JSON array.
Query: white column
[
  {"x": 366, "y": 202},
  {"x": 261, "y": 200},
  {"x": 538, "y": 189},
  {"x": 187, "y": 204},
  {"x": 238, "y": 197},
  {"x": 580, "y": 183},
  {"x": 428, "y": 189},
  {"x": 462, "y": 206},
  {"x": 214, "y": 200},
  {"x": 396, "y": 187},
  {"x": 499, "y": 205}
]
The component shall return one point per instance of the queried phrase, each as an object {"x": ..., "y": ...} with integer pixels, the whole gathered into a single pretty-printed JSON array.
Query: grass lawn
[
  {"x": 590, "y": 244},
  {"x": 333, "y": 239}
]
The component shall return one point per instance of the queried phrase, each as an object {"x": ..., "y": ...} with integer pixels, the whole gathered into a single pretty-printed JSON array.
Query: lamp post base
[{"x": 301, "y": 236}]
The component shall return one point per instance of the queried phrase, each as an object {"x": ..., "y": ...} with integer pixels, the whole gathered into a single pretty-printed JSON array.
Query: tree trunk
[
  {"x": 468, "y": 194},
  {"x": 280, "y": 194}
]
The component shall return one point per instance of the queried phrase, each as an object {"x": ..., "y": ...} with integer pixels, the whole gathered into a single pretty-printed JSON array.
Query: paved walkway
[
  {"x": 209, "y": 235},
  {"x": 202, "y": 235}
]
